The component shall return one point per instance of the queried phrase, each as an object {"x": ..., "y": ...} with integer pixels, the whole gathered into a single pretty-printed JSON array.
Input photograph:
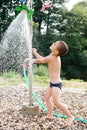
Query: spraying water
[{"x": 14, "y": 47}]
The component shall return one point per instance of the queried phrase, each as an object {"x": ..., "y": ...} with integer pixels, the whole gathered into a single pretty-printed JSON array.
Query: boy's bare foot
[
  {"x": 69, "y": 121},
  {"x": 49, "y": 117}
]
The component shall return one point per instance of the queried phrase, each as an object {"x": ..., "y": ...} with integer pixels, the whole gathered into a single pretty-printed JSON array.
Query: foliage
[
  {"x": 53, "y": 21},
  {"x": 40, "y": 80},
  {"x": 10, "y": 74},
  {"x": 75, "y": 36},
  {"x": 41, "y": 70},
  {"x": 6, "y": 8}
]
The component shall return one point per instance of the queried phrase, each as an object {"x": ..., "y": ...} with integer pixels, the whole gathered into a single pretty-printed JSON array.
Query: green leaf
[
  {"x": 18, "y": 9},
  {"x": 31, "y": 12},
  {"x": 25, "y": 7},
  {"x": 29, "y": 16}
]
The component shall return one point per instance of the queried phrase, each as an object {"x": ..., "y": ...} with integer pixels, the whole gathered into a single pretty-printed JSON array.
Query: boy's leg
[
  {"x": 48, "y": 103},
  {"x": 56, "y": 99}
]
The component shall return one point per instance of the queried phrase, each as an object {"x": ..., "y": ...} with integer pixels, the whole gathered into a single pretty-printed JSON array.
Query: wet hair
[{"x": 62, "y": 48}]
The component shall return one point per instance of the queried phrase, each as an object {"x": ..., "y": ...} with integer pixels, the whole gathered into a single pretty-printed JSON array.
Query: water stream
[{"x": 14, "y": 47}]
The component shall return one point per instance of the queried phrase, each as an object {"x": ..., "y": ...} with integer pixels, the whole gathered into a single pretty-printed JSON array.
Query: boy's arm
[
  {"x": 37, "y": 55},
  {"x": 42, "y": 60}
]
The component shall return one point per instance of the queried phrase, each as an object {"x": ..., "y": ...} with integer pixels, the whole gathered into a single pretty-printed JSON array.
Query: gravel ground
[{"x": 12, "y": 99}]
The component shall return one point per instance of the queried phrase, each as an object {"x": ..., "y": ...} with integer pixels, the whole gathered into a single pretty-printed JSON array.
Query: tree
[
  {"x": 5, "y": 19},
  {"x": 76, "y": 33},
  {"x": 53, "y": 21}
]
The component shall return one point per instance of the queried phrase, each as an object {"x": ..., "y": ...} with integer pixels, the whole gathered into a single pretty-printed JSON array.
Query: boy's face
[{"x": 54, "y": 46}]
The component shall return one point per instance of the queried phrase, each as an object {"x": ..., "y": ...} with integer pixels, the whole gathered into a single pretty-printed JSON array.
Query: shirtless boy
[{"x": 53, "y": 60}]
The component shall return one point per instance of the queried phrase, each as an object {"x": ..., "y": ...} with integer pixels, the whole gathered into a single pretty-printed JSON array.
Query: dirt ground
[{"x": 12, "y": 99}]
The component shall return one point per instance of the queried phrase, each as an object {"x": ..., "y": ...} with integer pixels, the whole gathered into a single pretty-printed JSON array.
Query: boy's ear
[{"x": 56, "y": 52}]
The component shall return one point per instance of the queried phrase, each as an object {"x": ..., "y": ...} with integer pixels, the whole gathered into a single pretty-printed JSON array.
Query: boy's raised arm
[
  {"x": 41, "y": 60},
  {"x": 36, "y": 54}
]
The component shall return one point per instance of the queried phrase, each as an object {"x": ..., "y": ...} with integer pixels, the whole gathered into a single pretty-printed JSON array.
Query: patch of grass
[
  {"x": 40, "y": 80},
  {"x": 10, "y": 78},
  {"x": 75, "y": 83}
]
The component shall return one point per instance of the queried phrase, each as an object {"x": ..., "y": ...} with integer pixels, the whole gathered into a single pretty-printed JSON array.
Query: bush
[{"x": 41, "y": 70}]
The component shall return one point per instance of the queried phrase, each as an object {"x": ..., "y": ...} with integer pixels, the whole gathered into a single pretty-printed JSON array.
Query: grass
[
  {"x": 75, "y": 83},
  {"x": 13, "y": 78},
  {"x": 10, "y": 78}
]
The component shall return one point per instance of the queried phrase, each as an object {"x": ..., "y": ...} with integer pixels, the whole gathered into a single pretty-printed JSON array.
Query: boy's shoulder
[{"x": 50, "y": 58}]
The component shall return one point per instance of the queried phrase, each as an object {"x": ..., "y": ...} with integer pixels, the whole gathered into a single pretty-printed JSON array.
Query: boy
[{"x": 58, "y": 49}]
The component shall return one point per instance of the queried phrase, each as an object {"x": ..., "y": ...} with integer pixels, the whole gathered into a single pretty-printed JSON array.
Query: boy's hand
[
  {"x": 27, "y": 61},
  {"x": 34, "y": 50},
  {"x": 32, "y": 61}
]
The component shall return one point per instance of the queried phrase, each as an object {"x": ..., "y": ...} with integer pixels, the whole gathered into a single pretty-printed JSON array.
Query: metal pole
[{"x": 29, "y": 4}]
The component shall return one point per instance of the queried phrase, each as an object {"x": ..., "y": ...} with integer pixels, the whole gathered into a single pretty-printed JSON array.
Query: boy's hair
[{"x": 62, "y": 48}]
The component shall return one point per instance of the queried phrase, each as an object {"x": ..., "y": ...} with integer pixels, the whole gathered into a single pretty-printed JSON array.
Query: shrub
[{"x": 41, "y": 70}]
